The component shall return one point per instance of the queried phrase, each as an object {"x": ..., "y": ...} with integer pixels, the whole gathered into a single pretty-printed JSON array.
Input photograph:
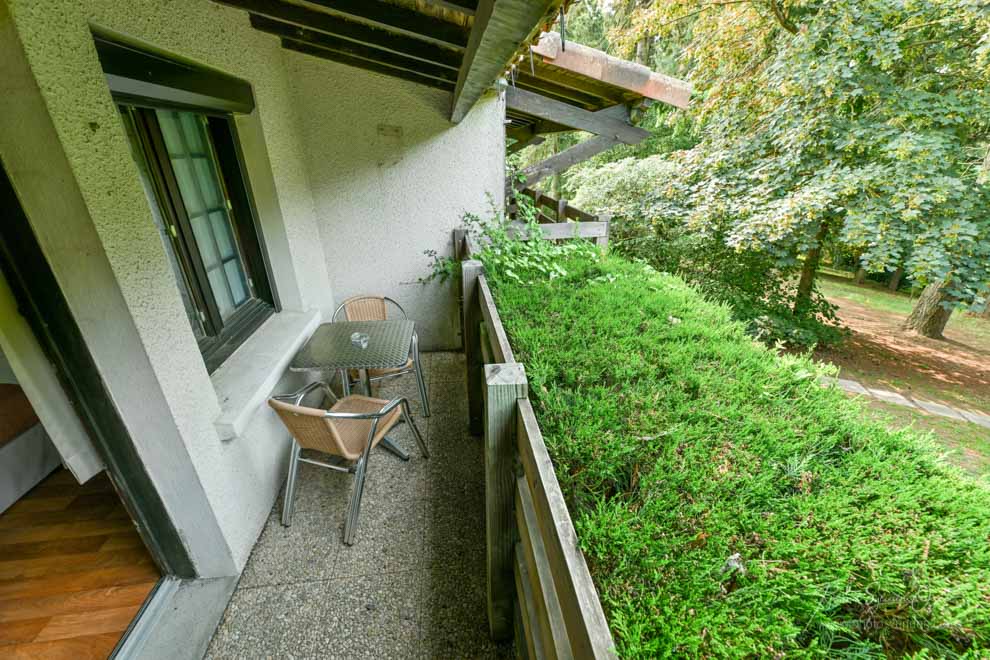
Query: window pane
[
  {"x": 219, "y": 285},
  {"x": 170, "y": 132},
  {"x": 180, "y": 276},
  {"x": 235, "y": 276},
  {"x": 197, "y": 175},
  {"x": 192, "y": 130},
  {"x": 187, "y": 185},
  {"x": 204, "y": 241},
  {"x": 221, "y": 229},
  {"x": 207, "y": 182}
]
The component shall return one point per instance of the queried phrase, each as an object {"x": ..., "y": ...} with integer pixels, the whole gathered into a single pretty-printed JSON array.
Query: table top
[{"x": 330, "y": 346}]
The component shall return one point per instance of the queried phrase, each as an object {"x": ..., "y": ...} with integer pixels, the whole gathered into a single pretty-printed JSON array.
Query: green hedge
[{"x": 729, "y": 505}]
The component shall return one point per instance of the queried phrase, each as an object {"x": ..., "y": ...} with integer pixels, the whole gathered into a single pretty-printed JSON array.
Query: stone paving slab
[
  {"x": 413, "y": 584},
  {"x": 891, "y": 397},
  {"x": 939, "y": 409}
]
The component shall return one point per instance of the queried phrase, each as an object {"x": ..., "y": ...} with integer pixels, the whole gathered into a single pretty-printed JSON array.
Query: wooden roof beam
[
  {"x": 576, "y": 118},
  {"x": 359, "y": 32},
  {"x": 352, "y": 48},
  {"x": 499, "y": 29},
  {"x": 398, "y": 18},
  {"x": 598, "y": 65},
  {"x": 369, "y": 65}
]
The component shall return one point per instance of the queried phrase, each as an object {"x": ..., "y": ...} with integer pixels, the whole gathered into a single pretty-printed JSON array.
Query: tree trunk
[
  {"x": 802, "y": 299},
  {"x": 895, "y": 279},
  {"x": 930, "y": 315},
  {"x": 860, "y": 275}
]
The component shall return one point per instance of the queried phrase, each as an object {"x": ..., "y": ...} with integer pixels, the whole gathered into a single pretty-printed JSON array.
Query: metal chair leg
[
  {"x": 290, "y": 484},
  {"x": 419, "y": 438},
  {"x": 350, "y": 525},
  {"x": 389, "y": 445},
  {"x": 419, "y": 378}
]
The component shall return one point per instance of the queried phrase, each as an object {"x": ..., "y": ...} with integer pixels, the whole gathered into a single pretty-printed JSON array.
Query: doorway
[{"x": 84, "y": 534}]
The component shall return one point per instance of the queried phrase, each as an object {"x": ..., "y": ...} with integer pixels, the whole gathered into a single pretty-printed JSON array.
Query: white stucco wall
[
  {"x": 241, "y": 477},
  {"x": 367, "y": 173},
  {"x": 391, "y": 177}
]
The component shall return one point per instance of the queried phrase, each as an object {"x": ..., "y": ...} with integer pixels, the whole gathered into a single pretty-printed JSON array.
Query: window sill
[{"x": 246, "y": 379}]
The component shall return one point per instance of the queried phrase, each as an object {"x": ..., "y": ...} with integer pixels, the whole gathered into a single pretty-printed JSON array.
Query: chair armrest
[
  {"x": 295, "y": 398},
  {"x": 386, "y": 409}
]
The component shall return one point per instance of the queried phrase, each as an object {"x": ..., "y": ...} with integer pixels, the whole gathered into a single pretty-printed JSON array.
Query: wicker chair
[
  {"x": 347, "y": 431},
  {"x": 375, "y": 308}
]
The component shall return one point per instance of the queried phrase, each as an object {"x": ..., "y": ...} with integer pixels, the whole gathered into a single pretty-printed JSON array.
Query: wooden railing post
[
  {"x": 602, "y": 241},
  {"x": 471, "y": 319},
  {"x": 505, "y": 384}
]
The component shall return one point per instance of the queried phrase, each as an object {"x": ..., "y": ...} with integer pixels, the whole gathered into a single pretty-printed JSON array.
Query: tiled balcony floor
[{"x": 413, "y": 583}]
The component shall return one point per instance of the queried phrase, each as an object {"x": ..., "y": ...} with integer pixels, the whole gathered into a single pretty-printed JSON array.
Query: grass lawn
[
  {"x": 869, "y": 294},
  {"x": 878, "y": 353},
  {"x": 967, "y": 445}
]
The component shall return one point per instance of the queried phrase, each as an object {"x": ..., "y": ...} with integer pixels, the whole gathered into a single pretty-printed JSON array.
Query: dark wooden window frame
[{"x": 223, "y": 336}]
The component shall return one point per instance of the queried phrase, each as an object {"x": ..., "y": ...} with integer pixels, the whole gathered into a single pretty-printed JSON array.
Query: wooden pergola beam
[
  {"x": 598, "y": 65},
  {"x": 568, "y": 158},
  {"x": 499, "y": 28},
  {"x": 397, "y": 17},
  {"x": 353, "y": 31},
  {"x": 377, "y": 67},
  {"x": 369, "y": 53},
  {"x": 572, "y": 117}
]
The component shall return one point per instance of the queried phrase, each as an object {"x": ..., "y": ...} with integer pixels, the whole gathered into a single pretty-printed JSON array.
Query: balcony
[{"x": 413, "y": 583}]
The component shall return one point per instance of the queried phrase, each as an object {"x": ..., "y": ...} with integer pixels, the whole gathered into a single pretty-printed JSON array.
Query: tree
[
  {"x": 863, "y": 120},
  {"x": 932, "y": 311}
]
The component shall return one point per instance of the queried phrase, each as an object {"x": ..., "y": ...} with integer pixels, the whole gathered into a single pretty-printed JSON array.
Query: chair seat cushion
[{"x": 353, "y": 433}]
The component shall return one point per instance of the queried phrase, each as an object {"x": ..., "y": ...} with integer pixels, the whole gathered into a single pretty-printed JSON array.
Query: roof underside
[
  {"x": 436, "y": 43},
  {"x": 585, "y": 78}
]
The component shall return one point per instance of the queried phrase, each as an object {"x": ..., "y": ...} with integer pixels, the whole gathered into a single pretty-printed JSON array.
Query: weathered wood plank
[
  {"x": 567, "y": 158},
  {"x": 561, "y": 230},
  {"x": 486, "y": 346},
  {"x": 571, "y": 116},
  {"x": 470, "y": 319},
  {"x": 400, "y": 19},
  {"x": 587, "y": 628},
  {"x": 498, "y": 31},
  {"x": 357, "y": 62},
  {"x": 545, "y": 201},
  {"x": 548, "y": 611},
  {"x": 359, "y": 32},
  {"x": 532, "y": 644},
  {"x": 501, "y": 350},
  {"x": 602, "y": 241},
  {"x": 505, "y": 384},
  {"x": 336, "y": 44},
  {"x": 599, "y": 65}
]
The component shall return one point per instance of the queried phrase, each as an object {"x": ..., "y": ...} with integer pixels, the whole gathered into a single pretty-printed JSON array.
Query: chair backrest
[
  {"x": 310, "y": 428},
  {"x": 367, "y": 308}
]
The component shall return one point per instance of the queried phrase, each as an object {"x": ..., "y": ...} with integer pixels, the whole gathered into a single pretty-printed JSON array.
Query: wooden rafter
[
  {"x": 573, "y": 117},
  {"x": 600, "y": 66},
  {"x": 353, "y": 31},
  {"x": 353, "y": 48},
  {"x": 378, "y": 67},
  {"x": 499, "y": 28},
  {"x": 399, "y": 19}
]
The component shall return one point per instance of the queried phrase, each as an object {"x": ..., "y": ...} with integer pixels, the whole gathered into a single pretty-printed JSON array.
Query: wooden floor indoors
[{"x": 73, "y": 571}]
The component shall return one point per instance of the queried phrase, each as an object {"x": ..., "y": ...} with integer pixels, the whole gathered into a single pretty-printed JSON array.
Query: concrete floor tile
[
  {"x": 302, "y": 552},
  {"x": 389, "y": 539},
  {"x": 273, "y": 621},
  {"x": 412, "y": 585}
]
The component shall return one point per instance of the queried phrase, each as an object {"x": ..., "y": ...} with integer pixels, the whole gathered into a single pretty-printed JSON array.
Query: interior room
[{"x": 74, "y": 571}]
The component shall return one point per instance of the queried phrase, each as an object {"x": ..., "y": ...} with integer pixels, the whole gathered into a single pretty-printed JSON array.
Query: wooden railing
[
  {"x": 540, "y": 591},
  {"x": 554, "y": 216}
]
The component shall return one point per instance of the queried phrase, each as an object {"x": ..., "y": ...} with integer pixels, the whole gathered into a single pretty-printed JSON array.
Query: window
[{"x": 190, "y": 167}]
